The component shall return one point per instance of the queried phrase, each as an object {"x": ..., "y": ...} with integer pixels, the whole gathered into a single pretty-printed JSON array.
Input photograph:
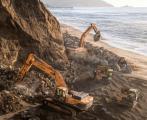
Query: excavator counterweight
[{"x": 64, "y": 99}]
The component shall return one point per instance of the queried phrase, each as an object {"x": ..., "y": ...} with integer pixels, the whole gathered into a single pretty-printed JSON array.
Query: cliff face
[{"x": 26, "y": 26}]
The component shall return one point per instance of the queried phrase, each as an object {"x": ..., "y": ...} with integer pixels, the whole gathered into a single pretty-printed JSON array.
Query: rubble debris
[
  {"x": 22, "y": 92},
  {"x": 101, "y": 110},
  {"x": 70, "y": 41},
  {"x": 8, "y": 77},
  {"x": 9, "y": 102},
  {"x": 35, "y": 89},
  {"x": 96, "y": 55}
]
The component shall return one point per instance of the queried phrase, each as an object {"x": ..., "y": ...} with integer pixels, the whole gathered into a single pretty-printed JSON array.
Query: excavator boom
[
  {"x": 33, "y": 60},
  {"x": 92, "y": 26}
]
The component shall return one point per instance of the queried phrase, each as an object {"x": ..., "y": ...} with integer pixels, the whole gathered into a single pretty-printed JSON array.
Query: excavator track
[{"x": 61, "y": 107}]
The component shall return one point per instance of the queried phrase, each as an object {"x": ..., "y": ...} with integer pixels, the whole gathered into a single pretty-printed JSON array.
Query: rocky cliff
[{"x": 26, "y": 26}]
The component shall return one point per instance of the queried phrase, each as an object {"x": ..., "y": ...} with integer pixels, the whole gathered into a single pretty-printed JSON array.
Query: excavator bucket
[{"x": 97, "y": 36}]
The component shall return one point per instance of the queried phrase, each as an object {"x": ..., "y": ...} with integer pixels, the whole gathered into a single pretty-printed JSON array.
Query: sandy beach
[{"x": 138, "y": 61}]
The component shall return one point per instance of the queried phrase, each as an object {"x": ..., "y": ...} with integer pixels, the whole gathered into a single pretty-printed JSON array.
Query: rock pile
[
  {"x": 102, "y": 109},
  {"x": 106, "y": 57},
  {"x": 8, "y": 78},
  {"x": 9, "y": 102},
  {"x": 70, "y": 41}
]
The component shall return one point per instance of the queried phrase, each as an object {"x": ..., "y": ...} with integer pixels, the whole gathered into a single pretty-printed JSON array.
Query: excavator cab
[
  {"x": 61, "y": 93},
  {"x": 103, "y": 73}
]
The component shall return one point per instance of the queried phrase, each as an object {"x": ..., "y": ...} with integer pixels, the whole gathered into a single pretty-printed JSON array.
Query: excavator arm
[
  {"x": 92, "y": 26},
  {"x": 33, "y": 60}
]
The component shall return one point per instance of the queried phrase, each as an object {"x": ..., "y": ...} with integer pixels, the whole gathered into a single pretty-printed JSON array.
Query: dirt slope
[{"x": 26, "y": 26}]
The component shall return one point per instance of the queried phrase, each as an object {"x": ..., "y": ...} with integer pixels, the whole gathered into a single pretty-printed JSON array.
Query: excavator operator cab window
[{"x": 61, "y": 93}]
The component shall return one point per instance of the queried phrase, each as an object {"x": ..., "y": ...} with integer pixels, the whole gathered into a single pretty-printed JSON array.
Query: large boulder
[{"x": 27, "y": 26}]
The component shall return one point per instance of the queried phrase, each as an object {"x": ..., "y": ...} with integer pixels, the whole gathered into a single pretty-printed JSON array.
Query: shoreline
[{"x": 138, "y": 61}]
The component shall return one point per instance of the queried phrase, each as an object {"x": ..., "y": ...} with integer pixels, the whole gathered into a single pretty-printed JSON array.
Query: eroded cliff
[{"x": 27, "y": 26}]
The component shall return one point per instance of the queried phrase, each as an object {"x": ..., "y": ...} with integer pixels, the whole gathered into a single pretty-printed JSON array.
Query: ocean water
[{"x": 125, "y": 28}]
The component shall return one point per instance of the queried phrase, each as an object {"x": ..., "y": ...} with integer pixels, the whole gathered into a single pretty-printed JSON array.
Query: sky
[{"x": 134, "y": 3}]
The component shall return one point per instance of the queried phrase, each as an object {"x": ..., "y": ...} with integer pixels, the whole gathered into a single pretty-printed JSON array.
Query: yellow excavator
[
  {"x": 103, "y": 73},
  {"x": 64, "y": 100}
]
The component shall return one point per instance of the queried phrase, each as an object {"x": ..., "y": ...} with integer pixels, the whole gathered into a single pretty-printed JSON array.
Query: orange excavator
[
  {"x": 81, "y": 51},
  {"x": 64, "y": 100},
  {"x": 96, "y": 36}
]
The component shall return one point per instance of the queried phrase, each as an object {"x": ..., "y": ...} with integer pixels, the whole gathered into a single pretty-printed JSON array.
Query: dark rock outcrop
[{"x": 26, "y": 26}]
